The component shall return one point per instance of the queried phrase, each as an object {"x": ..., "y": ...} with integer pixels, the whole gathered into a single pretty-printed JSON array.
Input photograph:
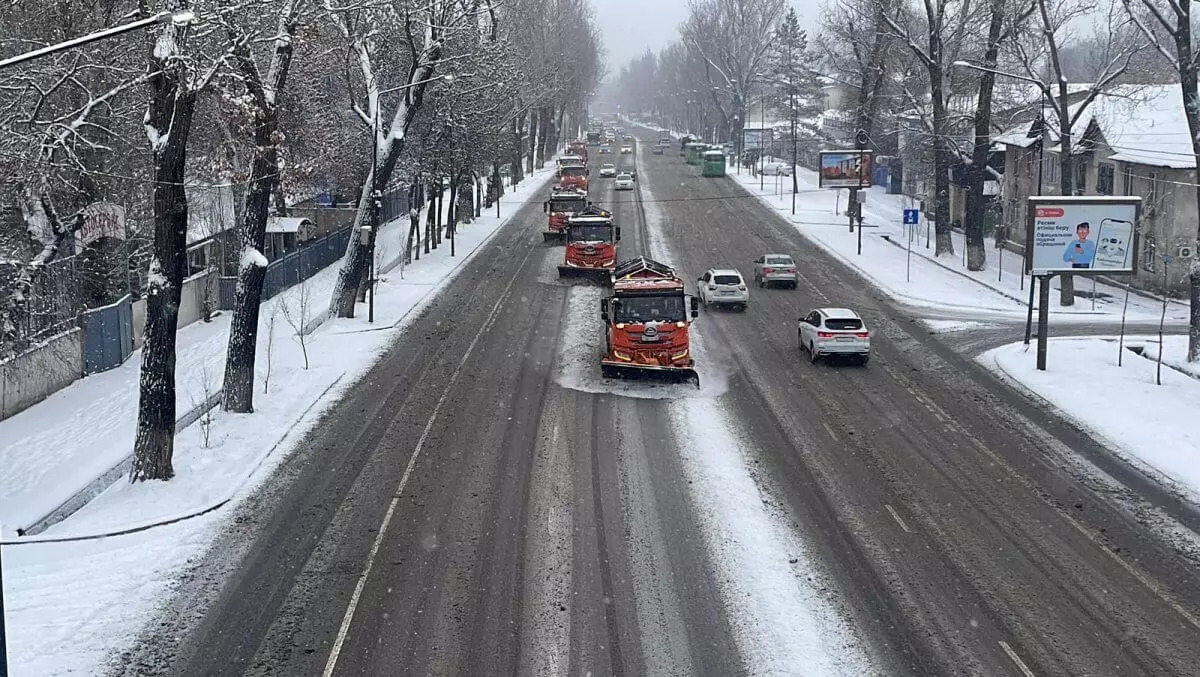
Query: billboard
[
  {"x": 756, "y": 139},
  {"x": 845, "y": 169},
  {"x": 1082, "y": 235}
]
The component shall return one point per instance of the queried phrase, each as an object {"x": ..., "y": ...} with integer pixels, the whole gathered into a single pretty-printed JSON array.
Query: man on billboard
[{"x": 1080, "y": 252}]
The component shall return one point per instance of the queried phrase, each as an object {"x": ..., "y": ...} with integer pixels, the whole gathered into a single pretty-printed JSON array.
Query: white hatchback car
[
  {"x": 608, "y": 171},
  {"x": 723, "y": 287},
  {"x": 834, "y": 331},
  {"x": 623, "y": 182},
  {"x": 777, "y": 169}
]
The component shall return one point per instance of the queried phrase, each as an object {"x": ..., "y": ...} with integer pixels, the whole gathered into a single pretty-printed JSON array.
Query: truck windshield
[
  {"x": 638, "y": 309},
  {"x": 574, "y": 171},
  {"x": 590, "y": 234},
  {"x": 566, "y": 205}
]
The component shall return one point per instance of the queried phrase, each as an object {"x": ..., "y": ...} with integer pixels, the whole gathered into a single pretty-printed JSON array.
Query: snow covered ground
[
  {"x": 73, "y": 605},
  {"x": 1148, "y": 424}
]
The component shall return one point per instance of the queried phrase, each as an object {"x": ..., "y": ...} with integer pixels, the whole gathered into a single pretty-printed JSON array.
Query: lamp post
[{"x": 182, "y": 17}]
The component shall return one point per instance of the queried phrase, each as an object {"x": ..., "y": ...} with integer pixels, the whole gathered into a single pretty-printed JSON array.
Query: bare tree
[
  {"x": 1167, "y": 26},
  {"x": 261, "y": 94},
  {"x": 297, "y": 313}
]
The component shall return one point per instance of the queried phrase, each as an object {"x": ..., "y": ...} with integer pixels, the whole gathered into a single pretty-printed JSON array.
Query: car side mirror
[
  {"x": 618, "y": 233},
  {"x": 546, "y": 207},
  {"x": 604, "y": 309},
  {"x": 695, "y": 308}
]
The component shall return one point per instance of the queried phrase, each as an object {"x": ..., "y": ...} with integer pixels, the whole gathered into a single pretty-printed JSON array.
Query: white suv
[
  {"x": 608, "y": 171},
  {"x": 723, "y": 287},
  {"x": 834, "y": 331}
]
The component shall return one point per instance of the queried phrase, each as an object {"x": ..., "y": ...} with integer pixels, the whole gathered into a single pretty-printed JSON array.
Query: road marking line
[
  {"x": 340, "y": 639},
  {"x": 896, "y": 516},
  {"x": 1016, "y": 659},
  {"x": 829, "y": 429}
]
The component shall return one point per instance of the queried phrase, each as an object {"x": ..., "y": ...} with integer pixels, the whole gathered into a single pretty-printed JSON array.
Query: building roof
[{"x": 287, "y": 224}]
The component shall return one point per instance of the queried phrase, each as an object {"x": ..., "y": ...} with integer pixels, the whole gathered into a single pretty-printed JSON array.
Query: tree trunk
[
  {"x": 533, "y": 141},
  {"x": 431, "y": 217},
  {"x": 518, "y": 151},
  {"x": 238, "y": 388},
  {"x": 441, "y": 205},
  {"x": 1066, "y": 281},
  {"x": 171, "y": 109},
  {"x": 1190, "y": 86},
  {"x": 944, "y": 244},
  {"x": 977, "y": 171}
]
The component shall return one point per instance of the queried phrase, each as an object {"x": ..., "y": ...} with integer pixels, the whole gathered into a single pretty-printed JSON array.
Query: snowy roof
[{"x": 286, "y": 224}]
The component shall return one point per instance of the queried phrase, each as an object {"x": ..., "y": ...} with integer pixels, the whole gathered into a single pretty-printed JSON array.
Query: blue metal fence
[
  {"x": 107, "y": 336},
  {"x": 292, "y": 268}
]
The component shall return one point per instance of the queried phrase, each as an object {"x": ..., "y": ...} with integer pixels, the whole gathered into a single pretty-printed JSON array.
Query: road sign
[{"x": 912, "y": 217}]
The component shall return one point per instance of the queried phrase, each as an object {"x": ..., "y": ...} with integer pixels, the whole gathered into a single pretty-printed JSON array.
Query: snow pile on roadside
[
  {"x": 785, "y": 619},
  {"x": 950, "y": 326},
  {"x": 1147, "y": 424},
  {"x": 72, "y": 606}
]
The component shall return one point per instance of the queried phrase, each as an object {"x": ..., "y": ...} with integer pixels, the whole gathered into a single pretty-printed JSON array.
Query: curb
[{"x": 959, "y": 273}]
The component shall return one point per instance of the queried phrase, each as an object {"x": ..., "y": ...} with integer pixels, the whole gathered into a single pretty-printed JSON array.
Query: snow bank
[
  {"x": 1147, "y": 424},
  {"x": 785, "y": 619}
]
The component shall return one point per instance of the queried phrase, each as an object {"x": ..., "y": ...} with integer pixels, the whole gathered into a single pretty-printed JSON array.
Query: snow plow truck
[
  {"x": 591, "y": 250},
  {"x": 647, "y": 320},
  {"x": 562, "y": 204}
]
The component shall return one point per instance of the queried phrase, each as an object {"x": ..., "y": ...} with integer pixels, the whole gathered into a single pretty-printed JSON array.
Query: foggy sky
[{"x": 630, "y": 27}]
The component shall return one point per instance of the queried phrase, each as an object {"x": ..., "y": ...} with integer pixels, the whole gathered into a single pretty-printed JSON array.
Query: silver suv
[
  {"x": 775, "y": 269},
  {"x": 723, "y": 287}
]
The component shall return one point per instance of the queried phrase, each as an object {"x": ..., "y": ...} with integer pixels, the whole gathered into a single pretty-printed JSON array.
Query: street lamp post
[{"x": 181, "y": 17}]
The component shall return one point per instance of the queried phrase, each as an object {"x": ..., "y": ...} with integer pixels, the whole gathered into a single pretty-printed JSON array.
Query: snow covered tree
[
  {"x": 259, "y": 94},
  {"x": 1167, "y": 26},
  {"x": 797, "y": 88}
]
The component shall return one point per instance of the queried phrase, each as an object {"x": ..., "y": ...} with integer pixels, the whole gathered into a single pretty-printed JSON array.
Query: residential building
[{"x": 1133, "y": 140}]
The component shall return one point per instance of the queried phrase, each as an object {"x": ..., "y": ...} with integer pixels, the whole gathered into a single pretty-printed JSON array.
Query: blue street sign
[{"x": 912, "y": 217}]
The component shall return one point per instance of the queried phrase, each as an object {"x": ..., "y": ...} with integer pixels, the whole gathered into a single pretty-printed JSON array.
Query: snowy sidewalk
[
  {"x": 932, "y": 282},
  {"x": 1146, "y": 425}
]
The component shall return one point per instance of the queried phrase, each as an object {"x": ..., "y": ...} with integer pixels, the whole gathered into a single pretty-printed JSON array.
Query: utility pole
[{"x": 3, "y": 642}]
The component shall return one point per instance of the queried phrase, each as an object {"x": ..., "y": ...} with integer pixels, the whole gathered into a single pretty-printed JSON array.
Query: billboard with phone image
[{"x": 1082, "y": 235}]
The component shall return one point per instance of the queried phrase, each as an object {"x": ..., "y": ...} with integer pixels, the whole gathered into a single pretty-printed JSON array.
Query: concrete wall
[
  {"x": 191, "y": 299},
  {"x": 35, "y": 374}
]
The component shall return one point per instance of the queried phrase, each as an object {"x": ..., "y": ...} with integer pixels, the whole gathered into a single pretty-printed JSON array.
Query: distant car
[
  {"x": 623, "y": 182},
  {"x": 627, "y": 139},
  {"x": 777, "y": 169},
  {"x": 772, "y": 269},
  {"x": 723, "y": 287},
  {"x": 626, "y": 150},
  {"x": 608, "y": 171},
  {"x": 606, "y": 150},
  {"x": 825, "y": 332},
  {"x": 658, "y": 149}
]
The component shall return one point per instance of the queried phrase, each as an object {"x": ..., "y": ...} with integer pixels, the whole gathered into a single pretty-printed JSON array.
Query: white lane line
[
  {"x": 896, "y": 516},
  {"x": 1016, "y": 659},
  {"x": 391, "y": 511},
  {"x": 829, "y": 429}
]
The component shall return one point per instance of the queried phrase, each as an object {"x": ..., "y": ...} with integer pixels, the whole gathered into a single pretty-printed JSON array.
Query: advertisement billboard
[
  {"x": 845, "y": 169},
  {"x": 1082, "y": 235}
]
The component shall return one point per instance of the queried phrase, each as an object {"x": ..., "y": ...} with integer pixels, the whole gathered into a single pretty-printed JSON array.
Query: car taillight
[
  {"x": 792, "y": 269},
  {"x": 741, "y": 287},
  {"x": 824, "y": 334},
  {"x": 768, "y": 271},
  {"x": 863, "y": 334}
]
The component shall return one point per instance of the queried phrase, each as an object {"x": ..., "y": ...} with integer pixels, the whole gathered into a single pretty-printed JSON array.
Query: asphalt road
[{"x": 529, "y": 527}]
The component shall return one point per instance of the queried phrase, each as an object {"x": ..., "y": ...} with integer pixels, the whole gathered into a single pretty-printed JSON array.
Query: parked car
[
  {"x": 777, "y": 169},
  {"x": 623, "y": 182},
  {"x": 775, "y": 269},
  {"x": 723, "y": 287},
  {"x": 608, "y": 171},
  {"x": 826, "y": 332}
]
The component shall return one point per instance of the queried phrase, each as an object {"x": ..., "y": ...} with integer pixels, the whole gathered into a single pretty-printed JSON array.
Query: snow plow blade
[
  {"x": 645, "y": 372},
  {"x": 555, "y": 236},
  {"x": 599, "y": 275}
]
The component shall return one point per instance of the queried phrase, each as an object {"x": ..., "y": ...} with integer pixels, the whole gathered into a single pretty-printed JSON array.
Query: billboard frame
[
  {"x": 1093, "y": 201},
  {"x": 864, "y": 172}
]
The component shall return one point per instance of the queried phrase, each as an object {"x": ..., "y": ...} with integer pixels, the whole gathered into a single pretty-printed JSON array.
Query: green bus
[{"x": 713, "y": 163}]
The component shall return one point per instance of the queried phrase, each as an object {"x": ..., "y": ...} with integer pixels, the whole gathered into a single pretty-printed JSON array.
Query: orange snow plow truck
[
  {"x": 591, "y": 249},
  {"x": 573, "y": 173},
  {"x": 561, "y": 205},
  {"x": 647, "y": 320}
]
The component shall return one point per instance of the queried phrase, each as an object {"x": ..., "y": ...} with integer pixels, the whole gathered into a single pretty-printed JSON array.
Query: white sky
[{"x": 630, "y": 27}]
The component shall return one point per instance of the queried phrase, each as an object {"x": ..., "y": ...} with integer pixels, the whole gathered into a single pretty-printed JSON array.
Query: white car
[
  {"x": 723, "y": 287},
  {"x": 777, "y": 169},
  {"x": 608, "y": 171},
  {"x": 626, "y": 150},
  {"x": 834, "y": 331},
  {"x": 623, "y": 182}
]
